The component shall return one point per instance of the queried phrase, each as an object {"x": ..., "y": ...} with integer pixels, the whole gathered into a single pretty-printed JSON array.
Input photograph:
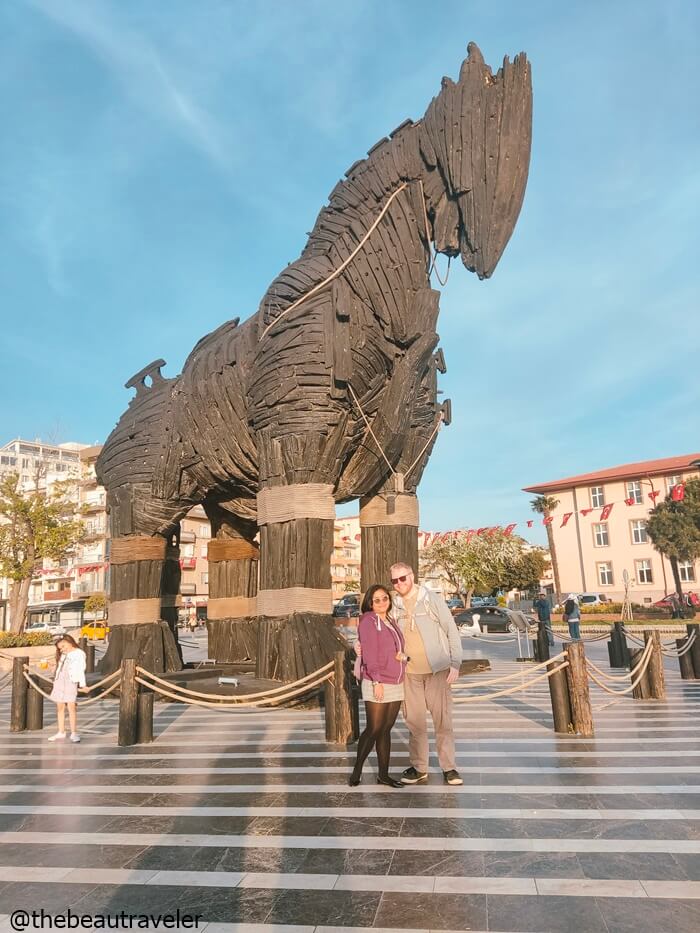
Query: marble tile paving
[{"x": 246, "y": 820}]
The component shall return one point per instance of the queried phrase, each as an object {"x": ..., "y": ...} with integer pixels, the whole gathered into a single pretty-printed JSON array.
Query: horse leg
[
  {"x": 389, "y": 530},
  {"x": 296, "y": 518},
  {"x": 233, "y": 584},
  {"x": 144, "y": 579}
]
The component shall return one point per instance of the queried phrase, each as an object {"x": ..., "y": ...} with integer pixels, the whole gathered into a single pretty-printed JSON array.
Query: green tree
[
  {"x": 33, "y": 526},
  {"x": 95, "y": 603},
  {"x": 545, "y": 505},
  {"x": 479, "y": 562},
  {"x": 527, "y": 571},
  {"x": 674, "y": 528}
]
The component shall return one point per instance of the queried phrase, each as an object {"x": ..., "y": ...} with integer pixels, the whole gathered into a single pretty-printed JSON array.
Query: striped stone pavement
[{"x": 246, "y": 819}]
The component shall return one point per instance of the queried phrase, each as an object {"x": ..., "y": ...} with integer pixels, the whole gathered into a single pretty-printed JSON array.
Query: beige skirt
[{"x": 393, "y": 693}]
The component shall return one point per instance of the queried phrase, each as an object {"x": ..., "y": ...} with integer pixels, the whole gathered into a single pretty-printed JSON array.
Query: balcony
[
  {"x": 94, "y": 531},
  {"x": 188, "y": 563},
  {"x": 94, "y": 505},
  {"x": 56, "y": 595}
]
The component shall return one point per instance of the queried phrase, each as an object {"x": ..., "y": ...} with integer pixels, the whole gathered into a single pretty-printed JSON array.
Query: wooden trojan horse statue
[{"x": 328, "y": 393}]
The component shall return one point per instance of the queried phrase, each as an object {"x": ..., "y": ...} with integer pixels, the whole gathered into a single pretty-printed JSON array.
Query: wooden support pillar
[
  {"x": 234, "y": 560},
  {"x": 341, "y": 704},
  {"x": 128, "y": 704},
  {"x": 577, "y": 680},
  {"x": 35, "y": 710},
  {"x": 18, "y": 703},
  {"x": 138, "y": 574},
  {"x": 617, "y": 647},
  {"x": 642, "y": 691},
  {"x": 655, "y": 671},
  {"x": 389, "y": 531},
  {"x": 561, "y": 704},
  {"x": 296, "y": 525},
  {"x": 685, "y": 661},
  {"x": 695, "y": 647}
]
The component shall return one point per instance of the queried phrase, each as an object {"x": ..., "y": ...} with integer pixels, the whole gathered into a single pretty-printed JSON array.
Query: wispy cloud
[{"x": 143, "y": 72}]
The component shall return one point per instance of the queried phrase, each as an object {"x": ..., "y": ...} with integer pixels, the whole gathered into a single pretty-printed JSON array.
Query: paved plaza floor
[{"x": 246, "y": 819}]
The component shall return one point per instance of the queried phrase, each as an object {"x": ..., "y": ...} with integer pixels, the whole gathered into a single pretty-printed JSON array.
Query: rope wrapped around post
[{"x": 639, "y": 670}]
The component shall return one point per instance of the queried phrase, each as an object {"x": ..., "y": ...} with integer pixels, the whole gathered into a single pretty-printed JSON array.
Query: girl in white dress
[{"x": 70, "y": 674}]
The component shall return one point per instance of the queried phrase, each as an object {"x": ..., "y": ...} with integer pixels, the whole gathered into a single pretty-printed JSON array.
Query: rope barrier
[
  {"x": 680, "y": 651},
  {"x": 517, "y": 689},
  {"x": 491, "y": 641},
  {"x": 600, "y": 637},
  {"x": 500, "y": 680},
  {"x": 641, "y": 668},
  {"x": 225, "y": 696},
  {"x": 343, "y": 265},
  {"x": 605, "y": 673},
  {"x": 87, "y": 702},
  {"x": 239, "y": 703}
]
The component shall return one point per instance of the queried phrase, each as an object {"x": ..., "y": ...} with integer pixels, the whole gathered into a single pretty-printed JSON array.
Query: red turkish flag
[
  {"x": 529, "y": 524},
  {"x": 678, "y": 492},
  {"x": 480, "y": 531},
  {"x": 629, "y": 501},
  {"x": 565, "y": 518},
  {"x": 508, "y": 530},
  {"x": 653, "y": 495},
  {"x": 606, "y": 512},
  {"x": 548, "y": 520},
  {"x": 585, "y": 512}
]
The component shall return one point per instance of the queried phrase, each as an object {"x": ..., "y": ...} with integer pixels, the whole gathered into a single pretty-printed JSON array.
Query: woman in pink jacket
[{"x": 383, "y": 667}]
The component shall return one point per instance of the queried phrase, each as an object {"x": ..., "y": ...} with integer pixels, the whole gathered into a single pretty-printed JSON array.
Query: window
[
  {"x": 639, "y": 532},
  {"x": 672, "y": 481},
  {"x": 187, "y": 550},
  {"x": 203, "y": 551},
  {"x": 644, "y": 571},
  {"x": 601, "y": 537},
  {"x": 605, "y": 574},
  {"x": 205, "y": 578},
  {"x": 686, "y": 571},
  {"x": 25, "y": 463},
  {"x": 634, "y": 490},
  {"x": 204, "y": 531},
  {"x": 597, "y": 497}
]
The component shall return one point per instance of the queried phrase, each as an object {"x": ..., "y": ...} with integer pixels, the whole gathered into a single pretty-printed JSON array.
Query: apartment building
[
  {"x": 599, "y": 528},
  {"x": 345, "y": 559},
  {"x": 195, "y": 532}
]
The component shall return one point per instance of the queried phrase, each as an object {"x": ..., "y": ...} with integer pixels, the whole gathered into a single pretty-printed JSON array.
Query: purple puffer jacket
[{"x": 381, "y": 642}]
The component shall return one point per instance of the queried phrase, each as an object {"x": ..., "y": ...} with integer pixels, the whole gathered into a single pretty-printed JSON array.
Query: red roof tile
[{"x": 664, "y": 467}]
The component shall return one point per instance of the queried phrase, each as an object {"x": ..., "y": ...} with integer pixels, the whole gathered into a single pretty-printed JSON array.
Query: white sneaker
[
  {"x": 74, "y": 737},
  {"x": 57, "y": 737}
]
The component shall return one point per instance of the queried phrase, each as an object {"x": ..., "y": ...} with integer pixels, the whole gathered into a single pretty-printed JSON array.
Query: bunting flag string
[{"x": 427, "y": 538}]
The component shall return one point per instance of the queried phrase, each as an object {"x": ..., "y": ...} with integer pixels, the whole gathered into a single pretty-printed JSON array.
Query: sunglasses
[{"x": 402, "y": 579}]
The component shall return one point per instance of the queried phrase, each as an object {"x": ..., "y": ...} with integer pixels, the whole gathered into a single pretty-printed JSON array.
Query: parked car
[
  {"x": 347, "y": 607},
  {"x": 476, "y": 602},
  {"x": 454, "y": 603},
  {"x": 52, "y": 628},
  {"x": 98, "y": 631},
  {"x": 492, "y": 618},
  {"x": 686, "y": 611},
  {"x": 592, "y": 599}
]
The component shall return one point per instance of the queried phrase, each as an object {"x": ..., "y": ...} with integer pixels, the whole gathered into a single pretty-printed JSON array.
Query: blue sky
[{"x": 162, "y": 162}]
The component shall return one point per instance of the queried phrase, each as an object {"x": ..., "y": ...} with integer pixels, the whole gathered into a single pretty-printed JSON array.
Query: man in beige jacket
[{"x": 434, "y": 648}]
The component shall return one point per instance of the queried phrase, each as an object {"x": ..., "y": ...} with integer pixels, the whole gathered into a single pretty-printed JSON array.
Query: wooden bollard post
[
  {"x": 685, "y": 662},
  {"x": 579, "y": 695},
  {"x": 83, "y": 643},
  {"x": 642, "y": 691},
  {"x": 617, "y": 647},
  {"x": 90, "y": 659},
  {"x": 695, "y": 647},
  {"x": 18, "y": 703},
  {"x": 128, "y": 704},
  {"x": 341, "y": 724},
  {"x": 144, "y": 725},
  {"x": 542, "y": 642},
  {"x": 561, "y": 704},
  {"x": 35, "y": 710},
  {"x": 655, "y": 671}
]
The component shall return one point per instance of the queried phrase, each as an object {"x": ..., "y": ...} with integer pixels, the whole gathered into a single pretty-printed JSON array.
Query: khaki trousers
[{"x": 423, "y": 693}]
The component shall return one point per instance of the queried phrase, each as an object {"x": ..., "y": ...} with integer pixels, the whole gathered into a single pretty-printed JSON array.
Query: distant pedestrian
[
  {"x": 544, "y": 615},
  {"x": 572, "y": 616},
  {"x": 70, "y": 674},
  {"x": 675, "y": 605}
]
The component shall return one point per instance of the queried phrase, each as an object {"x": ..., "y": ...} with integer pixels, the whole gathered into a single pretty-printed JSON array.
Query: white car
[{"x": 52, "y": 628}]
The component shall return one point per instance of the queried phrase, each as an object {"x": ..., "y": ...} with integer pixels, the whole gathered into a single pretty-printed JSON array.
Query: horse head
[{"x": 475, "y": 143}]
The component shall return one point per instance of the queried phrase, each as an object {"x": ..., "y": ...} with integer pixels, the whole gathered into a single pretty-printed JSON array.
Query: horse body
[{"x": 332, "y": 383}]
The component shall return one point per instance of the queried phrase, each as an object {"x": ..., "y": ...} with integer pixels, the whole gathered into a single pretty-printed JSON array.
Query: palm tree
[{"x": 545, "y": 505}]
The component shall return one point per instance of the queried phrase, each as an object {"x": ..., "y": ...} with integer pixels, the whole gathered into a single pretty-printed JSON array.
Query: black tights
[{"x": 380, "y": 721}]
